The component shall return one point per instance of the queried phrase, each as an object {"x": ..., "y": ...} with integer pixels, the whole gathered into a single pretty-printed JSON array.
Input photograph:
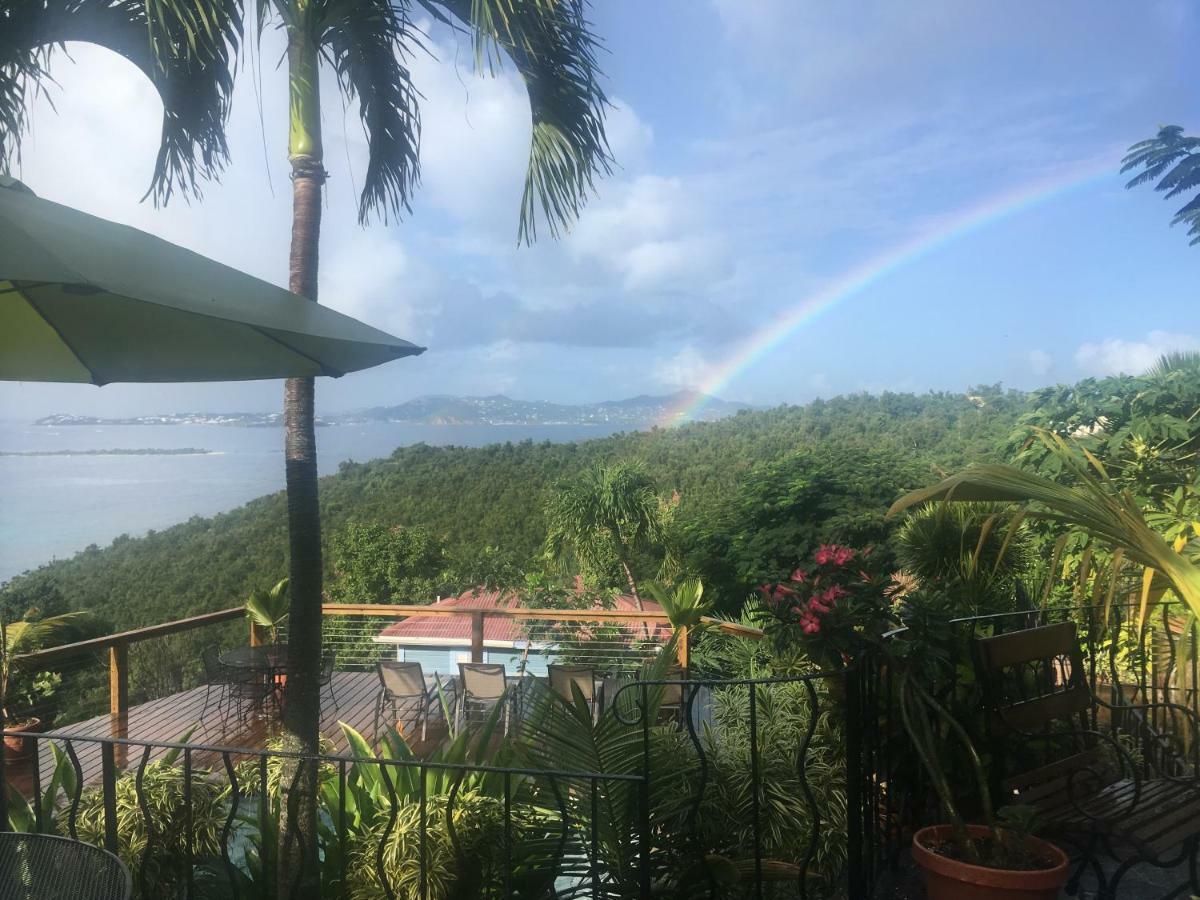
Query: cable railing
[{"x": 524, "y": 641}]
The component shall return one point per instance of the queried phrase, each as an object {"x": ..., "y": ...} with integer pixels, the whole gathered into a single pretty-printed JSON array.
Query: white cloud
[
  {"x": 686, "y": 369},
  {"x": 652, "y": 232},
  {"x": 1040, "y": 362},
  {"x": 475, "y": 132},
  {"x": 369, "y": 277},
  {"x": 629, "y": 137},
  {"x": 1115, "y": 356}
]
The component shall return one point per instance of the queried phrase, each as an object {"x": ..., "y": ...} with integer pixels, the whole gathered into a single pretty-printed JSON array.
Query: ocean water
[{"x": 53, "y": 506}]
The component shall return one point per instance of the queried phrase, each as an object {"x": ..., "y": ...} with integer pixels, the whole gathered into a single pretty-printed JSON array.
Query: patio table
[
  {"x": 48, "y": 867},
  {"x": 267, "y": 660}
]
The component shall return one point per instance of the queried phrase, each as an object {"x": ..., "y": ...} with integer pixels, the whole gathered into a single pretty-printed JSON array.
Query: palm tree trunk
[
  {"x": 298, "y": 870},
  {"x": 637, "y": 597}
]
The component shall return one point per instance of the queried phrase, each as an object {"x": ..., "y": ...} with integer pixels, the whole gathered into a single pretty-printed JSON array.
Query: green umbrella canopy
[{"x": 87, "y": 300}]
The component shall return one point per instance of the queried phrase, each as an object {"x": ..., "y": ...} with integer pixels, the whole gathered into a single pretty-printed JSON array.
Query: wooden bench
[{"x": 1087, "y": 786}]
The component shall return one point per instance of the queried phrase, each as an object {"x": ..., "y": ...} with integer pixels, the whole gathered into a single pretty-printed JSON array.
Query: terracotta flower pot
[
  {"x": 951, "y": 879},
  {"x": 18, "y": 749}
]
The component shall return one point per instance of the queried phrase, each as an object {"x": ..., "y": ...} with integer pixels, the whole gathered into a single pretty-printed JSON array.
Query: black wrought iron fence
[
  {"x": 1126, "y": 659},
  {"x": 196, "y": 820},
  {"x": 679, "y": 788}
]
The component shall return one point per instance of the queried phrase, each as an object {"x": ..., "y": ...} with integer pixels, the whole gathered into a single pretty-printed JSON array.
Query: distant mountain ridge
[{"x": 438, "y": 409}]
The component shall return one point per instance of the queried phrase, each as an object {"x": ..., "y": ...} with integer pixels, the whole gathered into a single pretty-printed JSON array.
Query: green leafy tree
[
  {"x": 188, "y": 50},
  {"x": 1172, "y": 160},
  {"x": 607, "y": 518},
  {"x": 786, "y": 508},
  {"x": 377, "y": 564}
]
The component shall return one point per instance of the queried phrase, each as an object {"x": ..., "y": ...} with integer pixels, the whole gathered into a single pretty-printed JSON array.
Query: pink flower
[
  {"x": 834, "y": 593},
  {"x": 833, "y": 553},
  {"x": 799, "y": 575}
]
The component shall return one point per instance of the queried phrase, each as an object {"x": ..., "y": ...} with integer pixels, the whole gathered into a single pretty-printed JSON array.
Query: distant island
[
  {"x": 450, "y": 410},
  {"x": 118, "y": 451}
]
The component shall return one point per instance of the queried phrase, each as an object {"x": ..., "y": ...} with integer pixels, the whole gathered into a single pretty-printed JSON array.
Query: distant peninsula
[
  {"x": 497, "y": 409},
  {"x": 118, "y": 451}
]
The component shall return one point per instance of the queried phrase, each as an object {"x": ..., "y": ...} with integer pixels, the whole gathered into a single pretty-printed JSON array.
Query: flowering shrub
[{"x": 830, "y": 609}]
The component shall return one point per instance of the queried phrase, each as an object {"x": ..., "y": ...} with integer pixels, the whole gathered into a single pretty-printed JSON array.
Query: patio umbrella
[{"x": 86, "y": 300}]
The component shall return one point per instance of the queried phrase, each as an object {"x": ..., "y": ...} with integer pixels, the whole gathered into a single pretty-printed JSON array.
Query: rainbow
[{"x": 850, "y": 284}]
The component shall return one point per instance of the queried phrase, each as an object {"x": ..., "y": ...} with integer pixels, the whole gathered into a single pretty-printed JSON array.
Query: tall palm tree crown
[
  {"x": 606, "y": 517},
  {"x": 189, "y": 50},
  {"x": 1173, "y": 160}
]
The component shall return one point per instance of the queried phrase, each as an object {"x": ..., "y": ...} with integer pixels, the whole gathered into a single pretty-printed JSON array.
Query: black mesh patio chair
[
  {"x": 48, "y": 867},
  {"x": 402, "y": 684},
  {"x": 235, "y": 687},
  {"x": 328, "y": 663}
]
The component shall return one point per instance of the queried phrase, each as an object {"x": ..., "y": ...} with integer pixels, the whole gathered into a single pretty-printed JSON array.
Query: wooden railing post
[
  {"x": 118, "y": 695},
  {"x": 477, "y": 636},
  {"x": 118, "y": 679},
  {"x": 682, "y": 651}
]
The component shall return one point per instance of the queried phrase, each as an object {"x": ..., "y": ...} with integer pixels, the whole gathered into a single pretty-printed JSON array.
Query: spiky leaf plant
[
  {"x": 974, "y": 550},
  {"x": 1090, "y": 503}
]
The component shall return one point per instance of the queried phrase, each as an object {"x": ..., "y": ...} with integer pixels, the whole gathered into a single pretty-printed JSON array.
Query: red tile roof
[{"x": 497, "y": 629}]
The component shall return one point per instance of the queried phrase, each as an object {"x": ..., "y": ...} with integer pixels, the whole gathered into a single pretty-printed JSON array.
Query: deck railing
[
  {"x": 719, "y": 788},
  {"x": 111, "y": 673}
]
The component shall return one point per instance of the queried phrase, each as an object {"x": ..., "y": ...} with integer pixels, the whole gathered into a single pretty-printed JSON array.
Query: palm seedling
[
  {"x": 25, "y": 636},
  {"x": 269, "y": 609}
]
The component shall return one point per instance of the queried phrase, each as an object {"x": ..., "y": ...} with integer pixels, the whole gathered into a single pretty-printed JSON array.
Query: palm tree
[
  {"x": 1175, "y": 361},
  {"x": 606, "y": 517},
  {"x": 25, "y": 636},
  {"x": 1173, "y": 159},
  {"x": 188, "y": 49}
]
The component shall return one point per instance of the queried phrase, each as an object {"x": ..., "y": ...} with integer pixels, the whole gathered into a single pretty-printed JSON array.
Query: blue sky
[{"x": 765, "y": 148}]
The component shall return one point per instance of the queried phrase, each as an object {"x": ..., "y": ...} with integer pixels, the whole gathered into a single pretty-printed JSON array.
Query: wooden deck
[{"x": 170, "y": 718}]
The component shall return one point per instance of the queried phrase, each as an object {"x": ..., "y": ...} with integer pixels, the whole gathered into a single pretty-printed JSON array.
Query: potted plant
[
  {"x": 16, "y": 638},
  {"x": 267, "y": 609},
  {"x": 997, "y": 857}
]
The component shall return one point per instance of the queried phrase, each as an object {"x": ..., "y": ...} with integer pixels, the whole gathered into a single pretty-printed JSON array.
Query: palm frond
[
  {"x": 268, "y": 609},
  {"x": 1172, "y": 159},
  {"x": 366, "y": 42},
  {"x": 1092, "y": 503},
  {"x": 190, "y": 58},
  {"x": 1175, "y": 361},
  {"x": 25, "y": 636},
  {"x": 551, "y": 44}
]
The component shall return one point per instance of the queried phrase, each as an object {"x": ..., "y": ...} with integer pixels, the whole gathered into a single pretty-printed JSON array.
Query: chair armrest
[{"x": 1175, "y": 709}]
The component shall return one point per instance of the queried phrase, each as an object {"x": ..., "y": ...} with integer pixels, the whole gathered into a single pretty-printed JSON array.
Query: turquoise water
[{"x": 54, "y": 506}]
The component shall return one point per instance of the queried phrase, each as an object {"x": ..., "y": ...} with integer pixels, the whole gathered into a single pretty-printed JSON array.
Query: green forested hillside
[{"x": 752, "y": 489}]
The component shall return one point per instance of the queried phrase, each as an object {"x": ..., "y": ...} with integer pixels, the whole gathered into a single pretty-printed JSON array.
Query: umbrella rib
[
  {"x": 325, "y": 370},
  {"x": 28, "y": 284},
  {"x": 23, "y": 292}
]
